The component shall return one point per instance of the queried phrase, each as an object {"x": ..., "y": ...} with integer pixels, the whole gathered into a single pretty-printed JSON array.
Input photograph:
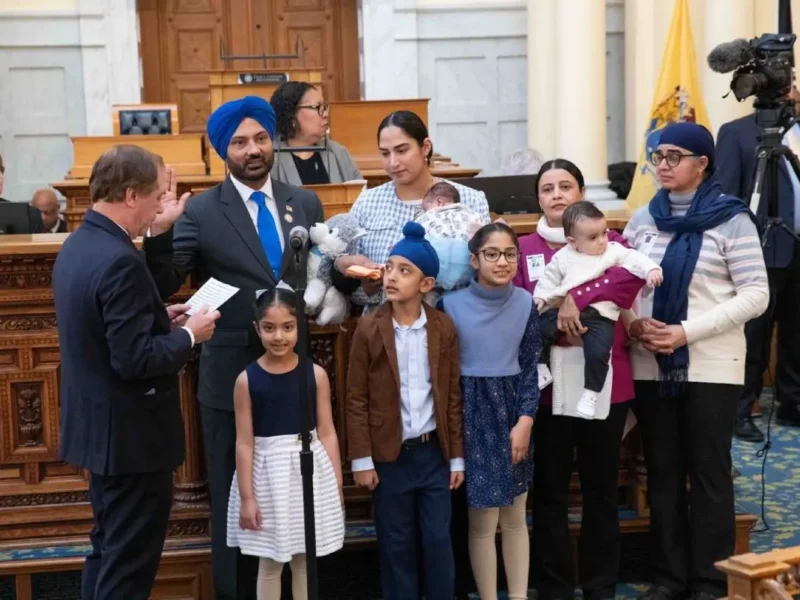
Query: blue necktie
[{"x": 268, "y": 233}]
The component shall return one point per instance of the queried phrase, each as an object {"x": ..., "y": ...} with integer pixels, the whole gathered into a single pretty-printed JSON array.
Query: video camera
[{"x": 762, "y": 67}]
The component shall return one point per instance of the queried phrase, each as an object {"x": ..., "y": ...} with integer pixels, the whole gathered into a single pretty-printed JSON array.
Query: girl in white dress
[{"x": 265, "y": 511}]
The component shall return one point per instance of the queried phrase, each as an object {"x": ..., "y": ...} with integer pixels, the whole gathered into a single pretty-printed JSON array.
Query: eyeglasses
[
  {"x": 673, "y": 158},
  {"x": 493, "y": 255},
  {"x": 321, "y": 108}
]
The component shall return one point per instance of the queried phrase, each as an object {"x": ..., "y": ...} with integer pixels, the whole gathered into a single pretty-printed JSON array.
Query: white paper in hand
[{"x": 213, "y": 294}]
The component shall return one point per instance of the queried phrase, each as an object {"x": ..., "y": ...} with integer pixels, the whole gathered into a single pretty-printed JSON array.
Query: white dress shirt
[
  {"x": 252, "y": 208},
  {"x": 416, "y": 391}
]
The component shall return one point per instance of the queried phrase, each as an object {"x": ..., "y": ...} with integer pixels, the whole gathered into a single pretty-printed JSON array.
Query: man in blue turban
[{"x": 238, "y": 233}]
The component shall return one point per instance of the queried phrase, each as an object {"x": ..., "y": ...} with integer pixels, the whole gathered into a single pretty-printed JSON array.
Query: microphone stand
[{"x": 306, "y": 456}]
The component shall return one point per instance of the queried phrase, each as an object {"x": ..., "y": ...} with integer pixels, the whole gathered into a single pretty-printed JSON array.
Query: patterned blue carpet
[
  {"x": 782, "y": 491},
  {"x": 782, "y": 498},
  {"x": 781, "y": 506}
]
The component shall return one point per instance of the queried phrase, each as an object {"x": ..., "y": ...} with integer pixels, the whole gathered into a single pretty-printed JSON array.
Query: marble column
[
  {"x": 567, "y": 88},
  {"x": 725, "y": 20}
]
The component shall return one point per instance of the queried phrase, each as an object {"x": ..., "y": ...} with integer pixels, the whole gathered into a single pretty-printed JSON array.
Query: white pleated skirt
[{"x": 278, "y": 490}]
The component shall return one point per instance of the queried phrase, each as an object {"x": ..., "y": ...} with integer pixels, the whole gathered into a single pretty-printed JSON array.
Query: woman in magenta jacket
[{"x": 560, "y": 184}]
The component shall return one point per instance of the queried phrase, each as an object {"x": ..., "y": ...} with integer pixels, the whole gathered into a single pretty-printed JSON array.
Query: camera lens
[{"x": 749, "y": 84}]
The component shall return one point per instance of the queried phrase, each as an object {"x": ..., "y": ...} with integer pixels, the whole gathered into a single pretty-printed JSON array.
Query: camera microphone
[
  {"x": 298, "y": 237},
  {"x": 728, "y": 56}
]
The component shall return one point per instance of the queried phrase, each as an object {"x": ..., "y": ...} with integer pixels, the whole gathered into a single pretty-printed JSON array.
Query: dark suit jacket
[
  {"x": 736, "y": 160},
  {"x": 374, "y": 422},
  {"x": 120, "y": 358},
  {"x": 216, "y": 236},
  {"x": 62, "y": 226}
]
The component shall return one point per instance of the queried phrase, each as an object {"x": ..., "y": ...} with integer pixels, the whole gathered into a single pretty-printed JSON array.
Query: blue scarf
[{"x": 709, "y": 208}]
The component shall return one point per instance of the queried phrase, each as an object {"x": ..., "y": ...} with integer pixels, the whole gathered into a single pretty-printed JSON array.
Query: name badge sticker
[
  {"x": 535, "y": 266},
  {"x": 648, "y": 240}
]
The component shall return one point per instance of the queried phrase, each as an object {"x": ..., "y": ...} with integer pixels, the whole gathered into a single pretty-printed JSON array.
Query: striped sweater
[{"x": 728, "y": 288}]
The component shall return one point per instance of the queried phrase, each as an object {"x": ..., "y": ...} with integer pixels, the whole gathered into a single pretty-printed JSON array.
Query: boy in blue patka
[{"x": 404, "y": 422}]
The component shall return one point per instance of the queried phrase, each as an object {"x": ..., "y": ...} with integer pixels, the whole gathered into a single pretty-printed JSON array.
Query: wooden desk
[
  {"x": 524, "y": 224},
  {"x": 335, "y": 198},
  {"x": 184, "y": 152}
]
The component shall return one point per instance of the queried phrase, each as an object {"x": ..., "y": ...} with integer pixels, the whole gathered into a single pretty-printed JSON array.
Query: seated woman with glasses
[
  {"x": 302, "y": 122},
  {"x": 689, "y": 359}
]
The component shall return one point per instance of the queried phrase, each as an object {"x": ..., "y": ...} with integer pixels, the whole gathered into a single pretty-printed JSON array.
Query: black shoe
[
  {"x": 748, "y": 431},
  {"x": 789, "y": 414},
  {"x": 657, "y": 592}
]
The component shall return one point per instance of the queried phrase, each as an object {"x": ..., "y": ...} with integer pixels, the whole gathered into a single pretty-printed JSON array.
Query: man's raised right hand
[{"x": 202, "y": 324}]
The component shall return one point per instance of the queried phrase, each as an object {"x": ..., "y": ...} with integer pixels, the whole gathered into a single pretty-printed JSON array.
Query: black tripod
[
  {"x": 775, "y": 119},
  {"x": 298, "y": 237}
]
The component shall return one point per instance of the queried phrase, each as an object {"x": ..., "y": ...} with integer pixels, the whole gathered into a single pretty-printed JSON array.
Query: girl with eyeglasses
[
  {"x": 689, "y": 359},
  {"x": 302, "y": 121},
  {"x": 498, "y": 331},
  {"x": 559, "y": 439}
]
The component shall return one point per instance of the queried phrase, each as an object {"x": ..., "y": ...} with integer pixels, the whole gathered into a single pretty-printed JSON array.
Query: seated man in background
[{"x": 47, "y": 202}]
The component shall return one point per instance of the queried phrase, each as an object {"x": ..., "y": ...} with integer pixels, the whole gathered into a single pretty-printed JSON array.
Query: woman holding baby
[
  {"x": 688, "y": 359},
  {"x": 406, "y": 151},
  {"x": 597, "y": 441}
]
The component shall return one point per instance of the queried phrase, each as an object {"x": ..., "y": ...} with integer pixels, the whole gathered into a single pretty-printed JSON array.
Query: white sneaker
[{"x": 587, "y": 405}]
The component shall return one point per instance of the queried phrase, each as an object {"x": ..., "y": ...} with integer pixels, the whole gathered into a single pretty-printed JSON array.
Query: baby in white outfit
[{"x": 587, "y": 256}]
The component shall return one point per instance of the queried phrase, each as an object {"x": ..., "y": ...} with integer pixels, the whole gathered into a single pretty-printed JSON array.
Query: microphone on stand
[{"x": 298, "y": 237}]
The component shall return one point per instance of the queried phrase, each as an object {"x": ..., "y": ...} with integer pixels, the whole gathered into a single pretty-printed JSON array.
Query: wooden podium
[
  {"x": 184, "y": 152},
  {"x": 234, "y": 84}
]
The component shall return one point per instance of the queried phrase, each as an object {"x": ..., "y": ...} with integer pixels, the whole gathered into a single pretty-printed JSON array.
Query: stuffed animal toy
[{"x": 338, "y": 235}]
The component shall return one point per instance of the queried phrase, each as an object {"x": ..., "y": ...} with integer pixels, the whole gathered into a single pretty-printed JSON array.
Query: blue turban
[
  {"x": 692, "y": 137},
  {"x": 417, "y": 250},
  {"x": 224, "y": 121}
]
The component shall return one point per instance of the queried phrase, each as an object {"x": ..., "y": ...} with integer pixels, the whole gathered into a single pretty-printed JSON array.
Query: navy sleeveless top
[{"x": 275, "y": 400}]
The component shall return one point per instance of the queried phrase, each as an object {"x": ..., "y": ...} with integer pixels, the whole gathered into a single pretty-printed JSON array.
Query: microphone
[
  {"x": 727, "y": 56},
  {"x": 298, "y": 237}
]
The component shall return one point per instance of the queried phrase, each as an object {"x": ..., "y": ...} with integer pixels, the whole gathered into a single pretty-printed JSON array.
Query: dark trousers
[
  {"x": 597, "y": 343},
  {"x": 784, "y": 300},
  {"x": 130, "y": 515},
  {"x": 415, "y": 486},
  {"x": 690, "y": 435},
  {"x": 597, "y": 444},
  {"x": 234, "y": 574}
]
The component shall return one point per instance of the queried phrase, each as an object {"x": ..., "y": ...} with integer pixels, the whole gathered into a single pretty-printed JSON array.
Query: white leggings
[
  {"x": 269, "y": 578},
  {"x": 515, "y": 543}
]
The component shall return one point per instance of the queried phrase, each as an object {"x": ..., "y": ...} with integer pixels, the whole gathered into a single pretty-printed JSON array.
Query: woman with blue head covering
[{"x": 688, "y": 360}]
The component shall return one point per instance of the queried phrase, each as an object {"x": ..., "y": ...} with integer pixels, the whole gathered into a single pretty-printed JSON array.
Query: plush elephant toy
[{"x": 337, "y": 235}]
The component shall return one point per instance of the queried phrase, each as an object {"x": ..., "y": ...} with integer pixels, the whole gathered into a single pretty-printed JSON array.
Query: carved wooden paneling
[
  {"x": 195, "y": 50},
  {"x": 297, "y": 5},
  {"x": 181, "y": 40},
  {"x": 194, "y": 104}
]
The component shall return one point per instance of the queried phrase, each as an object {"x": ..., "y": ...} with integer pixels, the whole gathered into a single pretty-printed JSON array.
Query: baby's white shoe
[{"x": 587, "y": 405}]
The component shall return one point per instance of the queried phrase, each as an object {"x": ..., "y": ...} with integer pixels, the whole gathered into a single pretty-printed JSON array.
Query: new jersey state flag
[{"x": 677, "y": 98}]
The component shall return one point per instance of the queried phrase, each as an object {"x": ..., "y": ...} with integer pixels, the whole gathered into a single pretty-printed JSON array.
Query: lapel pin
[{"x": 288, "y": 218}]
